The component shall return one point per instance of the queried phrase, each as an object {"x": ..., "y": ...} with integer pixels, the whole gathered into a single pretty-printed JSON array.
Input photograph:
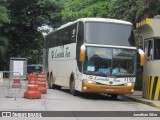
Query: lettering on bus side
[
  {"x": 65, "y": 53},
  {"x": 101, "y": 79},
  {"x": 59, "y": 54},
  {"x": 52, "y": 54}
]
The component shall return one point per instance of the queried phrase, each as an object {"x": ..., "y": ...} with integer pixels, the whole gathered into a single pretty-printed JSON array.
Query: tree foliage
[
  {"x": 85, "y": 8},
  {"x": 4, "y": 19},
  {"x": 134, "y": 10},
  {"x": 21, "y": 28},
  {"x": 34, "y": 13},
  {"x": 19, "y": 20},
  {"x": 130, "y": 10},
  {"x": 4, "y": 13}
]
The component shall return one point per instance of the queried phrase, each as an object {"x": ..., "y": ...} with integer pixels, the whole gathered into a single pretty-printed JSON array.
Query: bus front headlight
[
  {"x": 129, "y": 84},
  {"x": 89, "y": 81}
]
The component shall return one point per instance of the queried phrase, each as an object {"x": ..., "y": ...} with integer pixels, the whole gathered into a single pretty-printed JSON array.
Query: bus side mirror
[
  {"x": 142, "y": 57},
  {"x": 82, "y": 53}
]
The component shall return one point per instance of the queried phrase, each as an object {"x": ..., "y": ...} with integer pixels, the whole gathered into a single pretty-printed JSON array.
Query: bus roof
[{"x": 107, "y": 20}]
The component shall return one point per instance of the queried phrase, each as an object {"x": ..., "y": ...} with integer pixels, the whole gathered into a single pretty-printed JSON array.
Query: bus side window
[
  {"x": 149, "y": 49},
  {"x": 73, "y": 35},
  {"x": 156, "y": 49},
  {"x": 69, "y": 34},
  {"x": 80, "y": 41},
  {"x": 80, "y": 36}
]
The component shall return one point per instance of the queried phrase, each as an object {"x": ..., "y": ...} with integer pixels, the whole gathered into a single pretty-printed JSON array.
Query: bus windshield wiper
[{"x": 104, "y": 74}]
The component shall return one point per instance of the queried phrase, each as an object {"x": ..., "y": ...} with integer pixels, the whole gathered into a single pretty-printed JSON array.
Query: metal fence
[{"x": 11, "y": 87}]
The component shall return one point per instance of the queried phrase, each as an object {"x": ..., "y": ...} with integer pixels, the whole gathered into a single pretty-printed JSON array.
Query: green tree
[
  {"x": 3, "y": 47},
  {"x": 26, "y": 17},
  {"x": 150, "y": 9},
  {"x": 4, "y": 41},
  {"x": 19, "y": 22},
  {"x": 4, "y": 19},
  {"x": 125, "y": 9},
  {"x": 84, "y": 8},
  {"x": 134, "y": 10},
  {"x": 4, "y": 14}
]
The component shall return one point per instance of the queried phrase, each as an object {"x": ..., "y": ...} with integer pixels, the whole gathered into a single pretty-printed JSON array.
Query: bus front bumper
[{"x": 95, "y": 88}]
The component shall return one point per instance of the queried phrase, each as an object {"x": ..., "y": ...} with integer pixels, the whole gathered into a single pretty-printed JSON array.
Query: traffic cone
[
  {"x": 42, "y": 83},
  {"x": 32, "y": 89},
  {"x": 16, "y": 83},
  {"x": 32, "y": 77}
]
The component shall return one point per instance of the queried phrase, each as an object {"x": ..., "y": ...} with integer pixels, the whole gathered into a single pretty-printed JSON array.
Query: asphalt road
[{"x": 62, "y": 100}]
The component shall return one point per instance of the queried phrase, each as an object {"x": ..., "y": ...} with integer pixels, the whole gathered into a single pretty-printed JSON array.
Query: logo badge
[{"x": 90, "y": 77}]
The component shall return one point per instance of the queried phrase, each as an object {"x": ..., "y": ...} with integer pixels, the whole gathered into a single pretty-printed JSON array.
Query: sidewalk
[{"x": 137, "y": 96}]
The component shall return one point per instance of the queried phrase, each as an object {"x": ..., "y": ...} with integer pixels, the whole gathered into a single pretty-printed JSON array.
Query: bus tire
[
  {"x": 114, "y": 96},
  {"x": 49, "y": 85},
  {"x": 58, "y": 87},
  {"x": 49, "y": 82},
  {"x": 72, "y": 88},
  {"x": 53, "y": 85}
]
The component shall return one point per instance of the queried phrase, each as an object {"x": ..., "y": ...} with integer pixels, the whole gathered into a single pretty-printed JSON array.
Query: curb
[{"x": 143, "y": 101}]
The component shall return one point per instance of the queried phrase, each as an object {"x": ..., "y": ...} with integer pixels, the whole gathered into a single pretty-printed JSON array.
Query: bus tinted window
[
  {"x": 80, "y": 36},
  {"x": 157, "y": 49},
  {"x": 80, "y": 41},
  {"x": 109, "y": 34},
  {"x": 111, "y": 61},
  {"x": 64, "y": 36}
]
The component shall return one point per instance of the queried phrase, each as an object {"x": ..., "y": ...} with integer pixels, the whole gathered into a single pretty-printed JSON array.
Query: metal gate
[{"x": 11, "y": 86}]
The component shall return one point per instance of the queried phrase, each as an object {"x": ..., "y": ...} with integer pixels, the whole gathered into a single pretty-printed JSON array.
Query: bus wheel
[
  {"x": 72, "y": 88},
  {"x": 58, "y": 87},
  {"x": 114, "y": 96},
  {"x": 53, "y": 80},
  {"x": 49, "y": 83}
]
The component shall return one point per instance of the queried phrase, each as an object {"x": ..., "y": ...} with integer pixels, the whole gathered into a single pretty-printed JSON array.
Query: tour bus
[{"x": 92, "y": 55}]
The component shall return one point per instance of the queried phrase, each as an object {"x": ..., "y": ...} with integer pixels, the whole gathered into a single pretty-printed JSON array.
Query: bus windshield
[
  {"x": 110, "y": 61},
  {"x": 109, "y": 34}
]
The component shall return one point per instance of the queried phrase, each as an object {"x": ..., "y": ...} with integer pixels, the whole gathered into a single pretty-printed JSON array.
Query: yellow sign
[
  {"x": 146, "y": 21},
  {"x": 100, "y": 53}
]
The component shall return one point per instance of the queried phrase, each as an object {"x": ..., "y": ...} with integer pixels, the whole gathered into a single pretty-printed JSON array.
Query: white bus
[{"x": 92, "y": 55}]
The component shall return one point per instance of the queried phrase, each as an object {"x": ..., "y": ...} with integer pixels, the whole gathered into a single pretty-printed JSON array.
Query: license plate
[{"x": 110, "y": 90}]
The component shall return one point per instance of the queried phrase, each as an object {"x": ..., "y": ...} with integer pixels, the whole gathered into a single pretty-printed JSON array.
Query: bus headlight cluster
[{"x": 129, "y": 84}]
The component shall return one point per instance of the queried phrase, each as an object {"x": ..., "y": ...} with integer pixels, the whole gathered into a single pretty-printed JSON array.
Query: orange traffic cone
[
  {"x": 42, "y": 83},
  {"x": 32, "y": 89}
]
